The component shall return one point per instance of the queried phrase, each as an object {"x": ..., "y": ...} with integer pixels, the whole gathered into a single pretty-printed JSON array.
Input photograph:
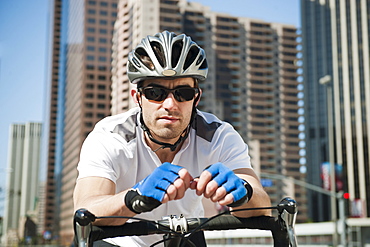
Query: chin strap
[
  {"x": 172, "y": 147},
  {"x": 182, "y": 137}
]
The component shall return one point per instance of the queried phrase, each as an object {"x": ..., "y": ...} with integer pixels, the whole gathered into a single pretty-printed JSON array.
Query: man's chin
[{"x": 167, "y": 135}]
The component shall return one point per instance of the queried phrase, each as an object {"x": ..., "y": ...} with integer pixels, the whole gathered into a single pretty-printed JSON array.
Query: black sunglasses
[{"x": 159, "y": 94}]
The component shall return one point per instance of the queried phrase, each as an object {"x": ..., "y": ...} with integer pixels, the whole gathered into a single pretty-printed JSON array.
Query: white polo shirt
[{"x": 116, "y": 150}]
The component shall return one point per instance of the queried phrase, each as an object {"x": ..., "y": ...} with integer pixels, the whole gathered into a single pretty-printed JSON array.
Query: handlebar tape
[{"x": 225, "y": 222}]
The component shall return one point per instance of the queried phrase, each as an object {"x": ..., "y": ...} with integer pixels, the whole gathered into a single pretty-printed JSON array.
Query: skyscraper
[
  {"x": 80, "y": 91},
  {"x": 336, "y": 43},
  {"x": 252, "y": 83},
  {"x": 54, "y": 124},
  {"x": 252, "y": 80},
  {"x": 22, "y": 181}
]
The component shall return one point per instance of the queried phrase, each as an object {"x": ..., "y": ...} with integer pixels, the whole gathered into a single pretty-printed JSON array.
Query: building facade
[
  {"x": 252, "y": 83},
  {"x": 80, "y": 89},
  {"x": 335, "y": 37},
  {"x": 48, "y": 215},
  {"x": 22, "y": 187}
]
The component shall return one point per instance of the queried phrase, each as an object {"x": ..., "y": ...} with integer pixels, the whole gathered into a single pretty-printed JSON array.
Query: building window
[
  {"x": 102, "y": 59},
  {"x": 91, "y": 30},
  {"x": 101, "y": 87},
  {"x": 103, "y": 40},
  {"x": 90, "y": 39},
  {"x": 91, "y": 20},
  {"x": 103, "y": 22},
  {"x": 90, "y": 58},
  {"x": 102, "y": 78},
  {"x": 100, "y": 115},
  {"x": 103, "y": 49},
  {"x": 90, "y": 48},
  {"x": 91, "y": 11}
]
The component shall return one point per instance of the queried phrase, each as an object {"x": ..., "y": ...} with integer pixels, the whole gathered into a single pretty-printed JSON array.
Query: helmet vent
[
  {"x": 176, "y": 52},
  {"x": 192, "y": 55},
  {"x": 204, "y": 65},
  {"x": 131, "y": 68},
  {"x": 159, "y": 53},
  {"x": 144, "y": 58}
]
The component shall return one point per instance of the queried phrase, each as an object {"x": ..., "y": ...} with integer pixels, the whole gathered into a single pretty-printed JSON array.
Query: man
[{"x": 160, "y": 158}]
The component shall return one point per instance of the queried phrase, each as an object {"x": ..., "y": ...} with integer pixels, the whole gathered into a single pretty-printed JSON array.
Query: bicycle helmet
[{"x": 166, "y": 55}]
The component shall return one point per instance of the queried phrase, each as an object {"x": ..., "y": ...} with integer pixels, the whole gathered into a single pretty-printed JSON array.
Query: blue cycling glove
[
  {"x": 149, "y": 192},
  {"x": 239, "y": 188}
]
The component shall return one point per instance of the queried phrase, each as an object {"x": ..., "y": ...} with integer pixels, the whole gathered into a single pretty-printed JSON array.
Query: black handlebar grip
[
  {"x": 288, "y": 204},
  {"x": 224, "y": 222},
  {"x": 129, "y": 229},
  {"x": 83, "y": 217},
  {"x": 229, "y": 222}
]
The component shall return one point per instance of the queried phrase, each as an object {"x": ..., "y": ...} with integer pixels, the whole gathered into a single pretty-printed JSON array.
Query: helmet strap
[
  {"x": 182, "y": 137},
  {"x": 163, "y": 145}
]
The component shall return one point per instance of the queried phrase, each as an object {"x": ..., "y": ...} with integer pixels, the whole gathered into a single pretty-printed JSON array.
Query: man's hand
[
  {"x": 167, "y": 182},
  {"x": 220, "y": 184}
]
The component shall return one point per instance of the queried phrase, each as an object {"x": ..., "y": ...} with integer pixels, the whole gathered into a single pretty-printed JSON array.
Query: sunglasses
[{"x": 159, "y": 94}]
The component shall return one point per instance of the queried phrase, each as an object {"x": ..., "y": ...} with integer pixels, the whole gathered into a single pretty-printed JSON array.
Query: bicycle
[{"x": 177, "y": 228}]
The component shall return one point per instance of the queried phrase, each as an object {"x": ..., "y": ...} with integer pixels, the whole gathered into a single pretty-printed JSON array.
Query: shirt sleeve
[
  {"x": 233, "y": 150},
  {"x": 99, "y": 156}
]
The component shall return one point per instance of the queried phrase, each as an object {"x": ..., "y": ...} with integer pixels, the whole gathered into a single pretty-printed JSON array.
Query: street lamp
[{"x": 327, "y": 82}]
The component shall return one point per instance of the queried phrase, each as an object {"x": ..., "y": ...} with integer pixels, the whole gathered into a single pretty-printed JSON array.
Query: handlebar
[{"x": 281, "y": 227}]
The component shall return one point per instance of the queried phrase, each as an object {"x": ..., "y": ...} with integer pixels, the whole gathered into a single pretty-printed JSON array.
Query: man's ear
[
  {"x": 198, "y": 97},
  {"x": 135, "y": 96}
]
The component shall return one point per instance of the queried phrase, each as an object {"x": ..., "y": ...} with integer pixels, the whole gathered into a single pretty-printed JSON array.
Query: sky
[{"x": 24, "y": 54}]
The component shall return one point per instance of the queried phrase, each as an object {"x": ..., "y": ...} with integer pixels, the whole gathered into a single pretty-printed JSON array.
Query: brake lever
[
  {"x": 82, "y": 222},
  {"x": 287, "y": 209}
]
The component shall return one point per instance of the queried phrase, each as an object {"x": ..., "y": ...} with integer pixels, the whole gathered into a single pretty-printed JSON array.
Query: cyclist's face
[{"x": 167, "y": 117}]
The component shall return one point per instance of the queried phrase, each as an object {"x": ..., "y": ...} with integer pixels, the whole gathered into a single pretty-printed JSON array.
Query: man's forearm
[
  {"x": 101, "y": 202},
  {"x": 259, "y": 199}
]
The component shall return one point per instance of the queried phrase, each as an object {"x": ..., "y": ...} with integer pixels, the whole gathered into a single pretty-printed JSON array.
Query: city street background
[{"x": 24, "y": 55}]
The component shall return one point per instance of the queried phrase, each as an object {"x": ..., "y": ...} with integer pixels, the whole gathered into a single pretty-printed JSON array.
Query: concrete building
[
  {"x": 22, "y": 181},
  {"x": 335, "y": 37},
  {"x": 87, "y": 88},
  {"x": 49, "y": 219},
  {"x": 252, "y": 82},
  {"x": 80, "y": 88}
]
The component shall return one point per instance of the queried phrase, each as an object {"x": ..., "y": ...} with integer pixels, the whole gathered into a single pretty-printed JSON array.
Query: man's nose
[{"x": 170, "y": 101}]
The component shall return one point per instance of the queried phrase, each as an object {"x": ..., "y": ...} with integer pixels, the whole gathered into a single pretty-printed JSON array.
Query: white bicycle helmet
[{"x": 166, "y": 55}]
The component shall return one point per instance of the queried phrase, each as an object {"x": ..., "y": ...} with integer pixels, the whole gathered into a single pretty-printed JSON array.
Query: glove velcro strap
[
  {"x": 245, "y": 198},
  {"x": 139, "y": 204}
]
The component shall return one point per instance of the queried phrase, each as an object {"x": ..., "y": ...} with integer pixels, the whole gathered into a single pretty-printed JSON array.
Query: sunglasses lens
[
  {"x": 184, "y": 94},
  {"x": 160, "y": 94},
  {"x": 156, "y": 94}
]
